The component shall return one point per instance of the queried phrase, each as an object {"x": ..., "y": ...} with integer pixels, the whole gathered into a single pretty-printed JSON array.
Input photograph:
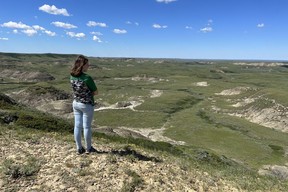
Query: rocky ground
[{"x": 113, "y": 168}]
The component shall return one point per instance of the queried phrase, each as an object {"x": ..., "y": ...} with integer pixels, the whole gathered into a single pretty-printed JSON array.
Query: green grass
[
  {"x": 169, "y": 102},
  {"x": 183, "y": 108},
  {"x": 129, "y": 118},
  {"x": 42, "y": 121},
  {"x": 196, "y": 157}
]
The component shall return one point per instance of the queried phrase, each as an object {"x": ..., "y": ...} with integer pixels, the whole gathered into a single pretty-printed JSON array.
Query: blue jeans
[{"x": 83, "y": 116}]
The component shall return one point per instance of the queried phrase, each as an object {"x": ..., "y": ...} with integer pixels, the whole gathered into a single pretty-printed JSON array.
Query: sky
[{"x": 185, "y": 29}]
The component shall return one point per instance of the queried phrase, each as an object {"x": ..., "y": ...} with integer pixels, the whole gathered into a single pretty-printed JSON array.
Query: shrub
[
  {"x": 6, "y": 102},
  {"x": 15, "y": 170},
  {"x": 43, "y": 121},
  {"x": 277, "y": 149},
  {"x": 136, "y": 180}
]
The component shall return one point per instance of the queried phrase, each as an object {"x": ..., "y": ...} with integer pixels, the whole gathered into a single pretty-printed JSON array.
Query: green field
[{"x": 189, "y": 104}]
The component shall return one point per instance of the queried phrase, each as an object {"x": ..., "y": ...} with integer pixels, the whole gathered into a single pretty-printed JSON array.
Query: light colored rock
[{"x": 201, "y": 84}]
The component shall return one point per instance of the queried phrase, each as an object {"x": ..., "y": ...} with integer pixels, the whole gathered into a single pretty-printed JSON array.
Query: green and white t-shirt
[{"x": 83, "y": 87}]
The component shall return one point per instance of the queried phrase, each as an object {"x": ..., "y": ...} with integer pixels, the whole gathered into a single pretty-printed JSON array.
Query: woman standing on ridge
[{"x": 84, "y": 90}]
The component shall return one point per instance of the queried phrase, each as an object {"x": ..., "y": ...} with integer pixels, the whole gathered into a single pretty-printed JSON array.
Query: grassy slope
[
  {"x": 183, "y": 107},
  {"x": 35, "y": 127}
]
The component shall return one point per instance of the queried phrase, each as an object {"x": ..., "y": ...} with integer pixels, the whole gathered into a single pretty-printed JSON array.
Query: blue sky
[{"x": 190, "y": 29}]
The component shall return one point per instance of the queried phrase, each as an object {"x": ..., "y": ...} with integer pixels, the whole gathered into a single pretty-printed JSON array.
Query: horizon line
[{"x": 153, "y": 58}]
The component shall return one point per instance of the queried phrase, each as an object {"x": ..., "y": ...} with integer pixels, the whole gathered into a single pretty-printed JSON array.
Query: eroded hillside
[{"x": 229, "y": 113}]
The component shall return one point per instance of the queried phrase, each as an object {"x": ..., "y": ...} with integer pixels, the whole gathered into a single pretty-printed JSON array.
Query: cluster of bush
[{"x": 12, "y": 112}]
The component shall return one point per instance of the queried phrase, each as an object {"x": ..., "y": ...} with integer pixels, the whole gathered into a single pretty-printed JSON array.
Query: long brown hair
[{"x": 76, "y": 70}]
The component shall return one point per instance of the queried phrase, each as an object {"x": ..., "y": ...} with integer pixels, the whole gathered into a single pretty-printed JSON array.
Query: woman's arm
[{"x": 95, "y": 92}]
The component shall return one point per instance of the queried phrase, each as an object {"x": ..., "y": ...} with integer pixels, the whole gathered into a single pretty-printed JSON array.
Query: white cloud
[
  {"x": 63, "y": 25},
  {"x": 18, "y": 25},
  {"x": 77, "y": 35},
  {"x": 206, "y": 29},
  {"x": 50, "y": 33},
  {"x": 119, "y": 31},
  {"x": 94, "y": 24},
  {"x": 130, "y": 23},
  {"x": 95, "y": 38},
  {"x": 260, "y": 25},
  {"x": 4, "y": 39},
  {"x": 37, "y": 27},
  {"x": 30, "y": 32},
  {"x": 96, "y": 33},
  {"x": 165, "y": 1},
  {"x": 53, "y": 10},
  {"x": 157, "y": 26},
  {"x": 188, "y": 27}
]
